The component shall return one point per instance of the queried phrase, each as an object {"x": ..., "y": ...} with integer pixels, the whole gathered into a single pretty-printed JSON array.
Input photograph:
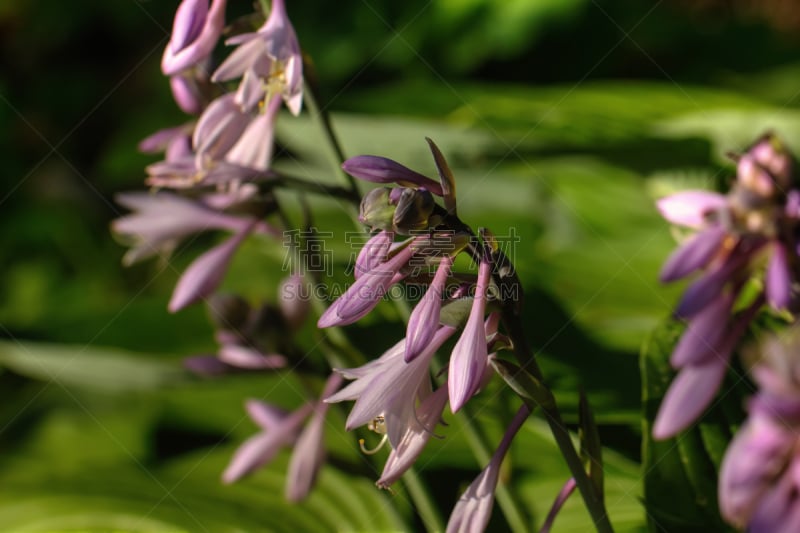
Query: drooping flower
[
  {"x": 470, "y": 356},
  {"x": 754, "y": 224},
  {"x": 416, "y": 437},
  {"x": 282, "y": 429},
  {"x": 195, "y": 33},
  {"x": 161, "y": 220},
  {"x": 205, "y": 274},
  {"x": 473, "y": 510},
  {"x": 279, "y": 429},
  {"x": 388, "y": 387},
  {"x": 424, "y": 319},
  {"x": 760, "y": 474},
  {"x": 309, "y": 451},
  {"x": 269, "y": 62}
]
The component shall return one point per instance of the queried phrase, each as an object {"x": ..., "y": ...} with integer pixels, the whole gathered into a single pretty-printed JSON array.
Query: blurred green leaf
[{"x": 108, "y": 369}]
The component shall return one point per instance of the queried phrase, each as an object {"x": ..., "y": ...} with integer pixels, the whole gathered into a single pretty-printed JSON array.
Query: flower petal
[{"x": 689, "y": 208}]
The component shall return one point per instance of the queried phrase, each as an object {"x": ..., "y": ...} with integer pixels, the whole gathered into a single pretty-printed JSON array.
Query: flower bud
[
  {"x": 377, "y": 210},
  {"x": 414, "y": 208}
]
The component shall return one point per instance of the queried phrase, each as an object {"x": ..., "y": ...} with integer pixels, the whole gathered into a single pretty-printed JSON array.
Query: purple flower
[
  {"x": 388, "y": 388},
  {"x": 424, "y": 319},
  {"x": 758, "y": 219},
  {"x": 186, "y": 93},
  {"x": 195, "y": 32},
  {"x": 219, "y": 128},
  {"x": 309, "y": 452},
  {"x": 366, "y": 292},
  {"x": 470, "y": 356},
  {"x": 760, "y": 474},
  {"x": 374, "y": 252},
  {"x": 474, "y": 508},
  {"x": 279, "y": 429},
  {"x": 383, "y": 170},
  {"x": 162, "y": 219},
  {"x": 413, "y": 442},
  {"x": 269, "y": 62},
  {"x": 205, "y": 274}
]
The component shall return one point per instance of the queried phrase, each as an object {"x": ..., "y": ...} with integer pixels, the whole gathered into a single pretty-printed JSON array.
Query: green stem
[
  {"x": 300, "y": 184},
  {"x": 422, "y": 501},
  {"x": 524, "y": 354},
  {"x": 335, "y": 152}
]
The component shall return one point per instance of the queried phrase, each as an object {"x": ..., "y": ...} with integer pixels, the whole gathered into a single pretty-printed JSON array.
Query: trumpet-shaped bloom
[
  {"x": 279, "y": 429},
  {"x": 424, "y": 320},
  {"x": 162, "y": 219},
  {"x": 403, "y": 456},
  {"x": 470, "y": 355},
  {"x": 388, "y": 387},
  {"x": 474, "y": 508},
  {"x": 366, "y": 292},
  {"x": 269, "y": 62},
  {"x": 205, "y": 274},
  {"x": 195, "y": 33},
  {"x": 309, "y": 452}
]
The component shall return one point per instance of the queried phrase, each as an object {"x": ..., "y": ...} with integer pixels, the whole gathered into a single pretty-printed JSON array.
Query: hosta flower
[
  {"x": 737, "y": 234},
  {"x": 388, "y": 388},
  {"x": 195, "y": 32},
  {"x": 163, "y": 219},
  {"x": 269, "y": 62},
  {"x": 760, "y": 474},
  {"x": 470, "y": 356},
  {"x": 281, "y": 429},
  {"x": 474, "y": 508}
]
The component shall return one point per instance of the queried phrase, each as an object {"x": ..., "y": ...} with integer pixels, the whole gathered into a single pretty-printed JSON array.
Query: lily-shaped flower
[
  {"x": 416, "y": 437},
  {"x": 195, "y": 33},
  {"x": 367, "y": 290},
  {"x": 760, "y": 474},
  {"x": 474, "y": 508},
  {"x": 424, "y": 319},
  {"x": 281, "y": 429},
  {"x": 269, "y": 62},
  {"x": 388, "y": 388},
  {"x": 163, "y": 219},
  {"x": 470, "y": 356},
  {"x": 202, "y": 278},
  {"x": 736, "y": 232}
]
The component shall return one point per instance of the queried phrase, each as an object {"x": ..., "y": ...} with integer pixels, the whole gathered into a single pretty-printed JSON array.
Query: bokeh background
[{"x": 563, "y": 119}]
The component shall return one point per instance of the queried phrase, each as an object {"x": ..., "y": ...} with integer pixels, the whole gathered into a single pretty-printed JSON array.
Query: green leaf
[
  {"x": 107, "y": 369},
  {"x": 680, "y": 488}
]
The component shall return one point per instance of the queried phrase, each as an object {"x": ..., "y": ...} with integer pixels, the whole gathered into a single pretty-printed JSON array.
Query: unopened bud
[
  {"x": 377, "y": 210},
  {"x": 414, "y": 208}
]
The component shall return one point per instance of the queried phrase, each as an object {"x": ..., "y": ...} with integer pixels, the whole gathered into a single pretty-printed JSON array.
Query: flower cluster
[
  {"x": 217, "y": 164},
  {"x": 216, "y": 170},
  {"x": 394, "y": 394},
  {"x": 753, "y": 228}
]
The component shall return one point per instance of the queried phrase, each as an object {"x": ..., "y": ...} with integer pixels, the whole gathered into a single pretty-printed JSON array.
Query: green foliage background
[{"x": 562, "y": 120}]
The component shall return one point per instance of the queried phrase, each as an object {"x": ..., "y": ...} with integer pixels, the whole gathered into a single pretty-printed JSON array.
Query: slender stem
[
  {"x": 593, "y": 500},
  {"x": 422, "y": 500},
  {"x": 296, "y": 183},
  {"x": 335, "y": 152}
]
